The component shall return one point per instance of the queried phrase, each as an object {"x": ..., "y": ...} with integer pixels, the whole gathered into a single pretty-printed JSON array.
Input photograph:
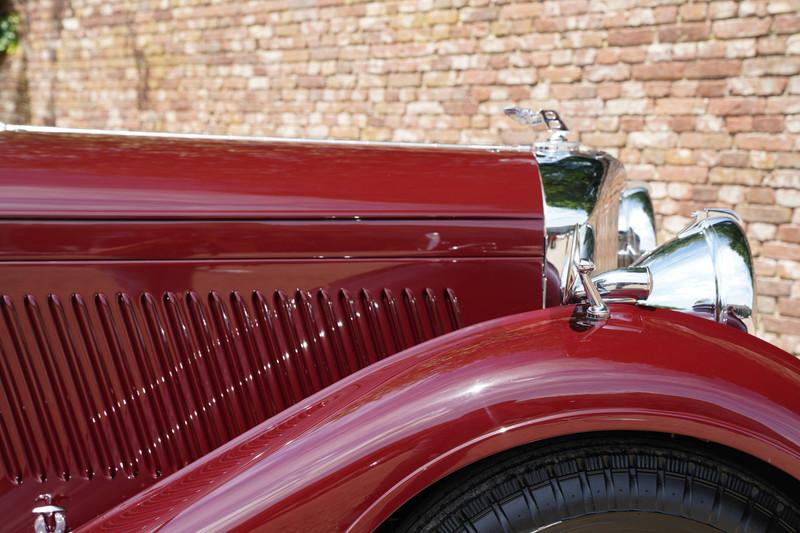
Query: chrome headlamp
[
  {"x": 636, "y": 227},
  {"x": 707, "y": 270}
]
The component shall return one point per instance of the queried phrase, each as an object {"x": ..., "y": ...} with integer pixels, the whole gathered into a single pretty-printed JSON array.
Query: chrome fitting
[
  {"x": 597, "y": 309},
  {"x": 49, "y": 518}
]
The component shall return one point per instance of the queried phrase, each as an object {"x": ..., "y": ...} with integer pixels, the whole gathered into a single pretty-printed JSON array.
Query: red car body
[{"x": 205, "y": 334}]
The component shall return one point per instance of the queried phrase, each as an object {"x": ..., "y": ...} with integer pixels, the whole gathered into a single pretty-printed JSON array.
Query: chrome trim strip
[
  {"x": 21, "y": 128},
  {"x": 544, "y": 238}
]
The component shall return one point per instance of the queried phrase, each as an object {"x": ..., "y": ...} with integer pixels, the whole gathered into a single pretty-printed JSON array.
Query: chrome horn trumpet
[{"x": 706, "y": 270}]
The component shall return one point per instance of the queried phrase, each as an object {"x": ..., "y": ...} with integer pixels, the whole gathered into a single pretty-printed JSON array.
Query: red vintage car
[{"x": 203, "y": 333}]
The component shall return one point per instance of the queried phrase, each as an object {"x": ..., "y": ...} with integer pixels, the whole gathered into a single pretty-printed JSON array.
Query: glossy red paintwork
[
  {"x": 75, "y": 176},
  {"x": 349, "y": 456},
  {"x": 229, "y": 239},
  {"x": 159, "y": 297}
]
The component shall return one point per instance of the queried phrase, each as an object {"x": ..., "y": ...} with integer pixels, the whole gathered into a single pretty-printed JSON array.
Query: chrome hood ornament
[
  {"x": 549, "y": 117},
  {"x": 557, "y": 143}
]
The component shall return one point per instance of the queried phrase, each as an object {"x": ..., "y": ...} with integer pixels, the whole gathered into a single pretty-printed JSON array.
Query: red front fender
[{"x": 349, "y": 456}]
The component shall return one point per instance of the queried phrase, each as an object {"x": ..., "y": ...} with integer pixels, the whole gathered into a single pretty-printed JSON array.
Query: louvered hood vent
[{"x": 147, "y": 379}]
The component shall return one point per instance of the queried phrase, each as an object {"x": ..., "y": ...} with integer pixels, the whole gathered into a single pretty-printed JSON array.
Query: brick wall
[{"x": 702, "y": 99}]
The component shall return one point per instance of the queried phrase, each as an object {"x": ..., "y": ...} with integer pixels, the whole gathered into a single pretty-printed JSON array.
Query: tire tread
[{"x": 537, "y": 485}]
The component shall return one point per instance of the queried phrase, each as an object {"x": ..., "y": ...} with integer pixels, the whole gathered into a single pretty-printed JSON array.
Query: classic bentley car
[{"x": 209, "y": 333}]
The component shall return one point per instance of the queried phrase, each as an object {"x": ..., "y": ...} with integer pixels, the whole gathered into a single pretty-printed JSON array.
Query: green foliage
[{"x": 8, "y": 33}]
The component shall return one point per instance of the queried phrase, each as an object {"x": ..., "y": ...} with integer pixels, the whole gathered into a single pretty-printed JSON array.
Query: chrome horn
[{"x": 707, "y": 270}]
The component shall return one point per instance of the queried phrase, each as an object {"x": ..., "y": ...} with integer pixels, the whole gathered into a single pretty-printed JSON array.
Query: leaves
[{"x": 8, "y": 33}]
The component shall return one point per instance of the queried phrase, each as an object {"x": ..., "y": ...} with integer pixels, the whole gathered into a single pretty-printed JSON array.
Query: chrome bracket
[
  {"x": 49, "y": 518},
  {"x": 597, "y": 309}
]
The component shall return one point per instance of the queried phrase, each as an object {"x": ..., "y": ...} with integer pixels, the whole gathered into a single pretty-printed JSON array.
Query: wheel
[{"x": 606, "y": 484}]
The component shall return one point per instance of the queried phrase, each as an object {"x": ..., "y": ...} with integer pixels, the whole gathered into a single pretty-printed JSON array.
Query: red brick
[
  {"x": 608, "y": 91},
  {"x": 757, "y": 86},
  {"x": 680, "y": 106},
  {"x": 693, "y": 11},
  {"x": 769, "y": 123},
  {"x": 657, "y": 89},
  {"x": 773, "y": 44},
  {"x": 631, "y": 123},
  {"x": 604, "y": 140},
  {"x": 704, "y": 193},
  {"x": 480, "y": 93},
  {"x": 684, "y": 32},
  {"x": 683, "y": 173},
  {"x": 713, "y": 68},
  {"x": 659, "y": 71},
  {"x": 771, "y": 65},
  {"x": 738, "y": 28},
  {"x": 478, "y": 14},
  {"x": 705, "y": 140},
  {"x": 789, "y": 233},
  {"x": 736, "y": 106},
  {"x": 683, "y": 88},
  {"x": 789, "y": 307},
  {"x": 783, "y": 104},
  {"x": 774, "y": 287},
  {"x": 598, "y": 73},
  {"x": 711, "y": 88},
  {"x": 682, "y": 123},
  {"x": 738, "y": 176},
  {"x": 404, "y": 80},
  {"x": 711, "y": 49},
  {"x": 760, "y": 195},
  {"x": 738, "y": 124},
  {"x": 630, "y": 37},
  {"x": 665, "y": 14},
  {"x": 786, "y": 24},
  {"x": 729, "y": 158},
  {"x": 781, "y": 324},
  {"x": 572, "y": 7},
  {"x": 478, "y": 77},
  {"x": 722, "y": 9},
  {"x": 560, "y": 74},
  {"x": 632, "y": 54},
  {"x": 521, "y": 11},
  {"x": 763, "y": 141},
  {"x": 460, "y": 108},
  {"x": 311, "y": 81},
  {"x": 607, "y": 56},
  {"x": 780, "y": 250}
]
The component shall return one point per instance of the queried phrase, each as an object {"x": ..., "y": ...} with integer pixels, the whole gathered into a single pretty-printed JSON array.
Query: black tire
[{"x": 607, "y": 483}]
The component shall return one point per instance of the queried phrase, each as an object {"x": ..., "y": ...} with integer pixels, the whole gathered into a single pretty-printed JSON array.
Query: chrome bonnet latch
[{"x": 49, "y": 518}]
